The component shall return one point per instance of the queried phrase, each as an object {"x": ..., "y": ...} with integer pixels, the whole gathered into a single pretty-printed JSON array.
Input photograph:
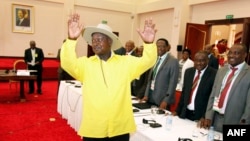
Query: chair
[{"x": 18, "y": 65}]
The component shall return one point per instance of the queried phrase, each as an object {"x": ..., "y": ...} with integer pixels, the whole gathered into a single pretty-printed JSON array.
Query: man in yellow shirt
[{"x": 106, "y": 78}]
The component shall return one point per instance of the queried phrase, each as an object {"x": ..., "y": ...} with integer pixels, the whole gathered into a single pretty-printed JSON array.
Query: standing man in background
[
  {"x": 62, "y": 74},
  {"x": 34, "y": 57},
  {"x": 139, "y": 85},
  {"x": 163, "y": 77},
  {"x": 129, "y": 49},
  {"x": 213, "y": 61}
]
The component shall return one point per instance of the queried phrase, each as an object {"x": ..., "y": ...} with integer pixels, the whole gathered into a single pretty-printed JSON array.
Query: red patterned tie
[
  {"x": 224, "y": 91},
  {"x": 194, "y": 85}
]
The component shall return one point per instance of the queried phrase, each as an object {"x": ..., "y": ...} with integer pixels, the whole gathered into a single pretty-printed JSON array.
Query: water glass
[{"x": 154, "y": 111}]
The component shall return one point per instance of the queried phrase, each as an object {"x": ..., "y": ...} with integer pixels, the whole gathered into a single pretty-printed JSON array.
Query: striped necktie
[
  {"x": 227, "y": 85},
  {"x": 196, "y": 79}
]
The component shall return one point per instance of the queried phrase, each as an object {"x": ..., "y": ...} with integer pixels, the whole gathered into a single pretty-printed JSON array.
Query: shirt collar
[
  {"x": 164, "y": 56},
  {"x": 240, "y": 66},
  {"x": 202, "y": 71}
]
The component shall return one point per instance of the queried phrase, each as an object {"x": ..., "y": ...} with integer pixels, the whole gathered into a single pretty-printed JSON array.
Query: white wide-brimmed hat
[{"x": 104, "y": 29}]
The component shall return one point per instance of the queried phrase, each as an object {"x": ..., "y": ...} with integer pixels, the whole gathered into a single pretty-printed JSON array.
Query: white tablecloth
[
  {"x": 70, "y": 107},
  {"x": 181, "y": 128},
  {"x": 69, "y": 103}
]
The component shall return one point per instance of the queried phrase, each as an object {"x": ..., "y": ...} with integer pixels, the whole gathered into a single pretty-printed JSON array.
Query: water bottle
[
  {"x": 210, "y": 135},
  {"x": 169, "y": 122}
]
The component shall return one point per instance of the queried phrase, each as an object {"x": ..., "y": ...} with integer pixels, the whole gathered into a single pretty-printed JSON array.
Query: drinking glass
[{"x": 154, "y": 111}]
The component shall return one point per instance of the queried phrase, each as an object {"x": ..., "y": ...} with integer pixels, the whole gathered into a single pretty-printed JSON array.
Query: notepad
[{"x": 23, "y": 73}]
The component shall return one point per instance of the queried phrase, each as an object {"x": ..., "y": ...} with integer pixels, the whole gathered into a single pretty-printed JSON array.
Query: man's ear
[{"x": 110, "y": 41}]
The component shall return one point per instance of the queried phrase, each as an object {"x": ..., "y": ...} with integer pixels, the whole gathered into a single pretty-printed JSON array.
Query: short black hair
[
  {"x": 244, "y": 47},
  {"x": 165, "y": 40},
  {"x": 202, "y": 52},
  {"x": 186, "y": 50}
]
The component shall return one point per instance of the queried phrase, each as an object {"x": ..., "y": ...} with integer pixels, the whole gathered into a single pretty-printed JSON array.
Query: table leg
[{"x": 22, "y": 95}]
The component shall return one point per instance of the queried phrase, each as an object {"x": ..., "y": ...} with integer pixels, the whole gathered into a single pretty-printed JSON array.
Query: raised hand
[
  {"x": 74, "y": 26},
  {"x": 148, "y": 34}
]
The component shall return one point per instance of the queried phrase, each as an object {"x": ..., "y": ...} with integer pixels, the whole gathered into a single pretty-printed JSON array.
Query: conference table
[
  {"x": 69, "y": 102},
  {"x": 70, "y": 107},
  {"x": 21, "y": 78}
]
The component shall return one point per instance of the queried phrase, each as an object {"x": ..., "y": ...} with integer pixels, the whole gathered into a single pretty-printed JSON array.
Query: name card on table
[{"x": 23, "y": 73}]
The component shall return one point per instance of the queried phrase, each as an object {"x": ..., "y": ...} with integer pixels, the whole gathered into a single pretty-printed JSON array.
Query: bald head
[
  {"x": 32, "y": 44},
  {"x": 129, "y": 46},
  {"x": 208, "y": 48},
  {"x": 201, "y": 60}
]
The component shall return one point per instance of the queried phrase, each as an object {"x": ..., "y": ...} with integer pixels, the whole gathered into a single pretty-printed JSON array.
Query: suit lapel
[
  {"x": 164, "y": 62},
  {"x": 204, "y": 77},
  {"x": 191, "y": 76},
  {"x": 220, "y": 78},
  {"x": 239, "y": 77}
]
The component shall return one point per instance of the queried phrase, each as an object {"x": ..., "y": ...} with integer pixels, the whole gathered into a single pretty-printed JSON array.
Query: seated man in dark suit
[{"x": 194, "y": 96}]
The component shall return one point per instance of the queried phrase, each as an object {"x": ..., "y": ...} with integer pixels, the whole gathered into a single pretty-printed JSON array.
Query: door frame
[
  {"x": 245, "y": 36},
  {"x": 246, "y": 30}
]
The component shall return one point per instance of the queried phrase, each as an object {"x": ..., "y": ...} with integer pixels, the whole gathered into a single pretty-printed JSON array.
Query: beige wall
[
  {"x": 124, "y": 16},
  {"x": 48, "y": 32}
]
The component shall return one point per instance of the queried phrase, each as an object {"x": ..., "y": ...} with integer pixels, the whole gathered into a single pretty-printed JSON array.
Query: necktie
[
  {"x": 224, "y": 91},
  {"x": 196, "y": 79},
  {"x": 156, "y": 66}
]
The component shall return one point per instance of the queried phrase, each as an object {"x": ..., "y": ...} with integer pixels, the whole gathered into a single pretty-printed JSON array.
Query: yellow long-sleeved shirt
[{"x": 107, "y": 105}]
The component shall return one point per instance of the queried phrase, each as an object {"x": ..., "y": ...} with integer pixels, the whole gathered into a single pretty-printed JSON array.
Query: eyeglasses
[{"x": 98, "y": 40}]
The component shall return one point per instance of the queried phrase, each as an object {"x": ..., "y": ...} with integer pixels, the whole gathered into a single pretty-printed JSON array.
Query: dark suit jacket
[
  {"x": 25, "y": 22},
  {"x": 213, "y": 62},
  {"x": 133, "y": 53},
  {"x": 62, "y": 74},
  {"x": 39, "y": 58},
  {"x": 202, "y": 95},
  {"x": 165, "y": 81},
  {"x": 120, "y": 51},
  {"x": 139, "y": 86}
]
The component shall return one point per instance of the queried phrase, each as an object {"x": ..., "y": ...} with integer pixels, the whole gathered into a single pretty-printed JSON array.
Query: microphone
[
  {"x": 152, "y": 123},
  {"x": 145, "y": 121}
]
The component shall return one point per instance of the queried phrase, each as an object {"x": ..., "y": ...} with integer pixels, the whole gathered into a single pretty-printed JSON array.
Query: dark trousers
[
  {"x": 124, "y": 137},
  {"x": 38, "y": 80},
  {"x": 190, "y": 114},
  {"x": 152, "y": 101}
]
